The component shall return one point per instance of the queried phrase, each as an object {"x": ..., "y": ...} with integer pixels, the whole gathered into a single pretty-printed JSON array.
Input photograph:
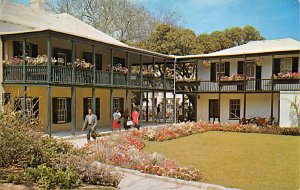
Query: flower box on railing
[
  {"x": 232, "y": 82},
  {"x": 286, "y": 81}
]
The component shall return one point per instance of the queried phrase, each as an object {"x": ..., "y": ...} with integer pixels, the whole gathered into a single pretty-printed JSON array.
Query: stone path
[{"x": 134, "y": 180}]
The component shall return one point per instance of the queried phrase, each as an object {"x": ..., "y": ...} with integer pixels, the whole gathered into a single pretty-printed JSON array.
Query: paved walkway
[{"x": 135, "y": 180}]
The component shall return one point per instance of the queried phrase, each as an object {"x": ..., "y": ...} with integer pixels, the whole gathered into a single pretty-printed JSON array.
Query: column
[
  {"x": 147, "y": 106},
  {"x": 174, "y": 91},
  {"x": 165, "y": 107},
  {"x": 244, "y": 86},
  {"x": 49, "y": 110},
  {"x": 153, "y": 107},
  {"x": 49, "y": 64},
  {"x": 24, "y": 80},
  {"x": 94, "y": 80},
  {"x": 49, "y": 107},
  {"x": 219, "y": 97},
  {"x": 73, "y": 110},
  {"x": 73, "y": 92},
  {"x": 141, "y": 69},
  {"x": 272, "y": 91},
  {"x": 112, "y": 67},
  {"x": 111, "y": 106},
  {"x": 141, "y": 106}
]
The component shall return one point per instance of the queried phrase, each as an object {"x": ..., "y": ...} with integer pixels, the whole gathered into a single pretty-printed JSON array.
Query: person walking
[
  {"x": 116, "y": 121},
  {"x": 135, "y": 119},
  {"x": 90, "y": 123},
  {"x": 158, "y": 113},
  {"x": 126, "y": 118}
]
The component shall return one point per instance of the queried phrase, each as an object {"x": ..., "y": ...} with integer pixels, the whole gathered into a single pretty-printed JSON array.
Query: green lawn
[{"x": 240, "y": 160}]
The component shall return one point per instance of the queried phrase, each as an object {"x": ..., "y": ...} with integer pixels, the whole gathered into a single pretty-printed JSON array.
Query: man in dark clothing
[{"x": 158, "y": 113}]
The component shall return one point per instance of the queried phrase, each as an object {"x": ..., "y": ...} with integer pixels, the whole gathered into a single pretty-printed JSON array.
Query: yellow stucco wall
[{"x": 41, "y": 93}]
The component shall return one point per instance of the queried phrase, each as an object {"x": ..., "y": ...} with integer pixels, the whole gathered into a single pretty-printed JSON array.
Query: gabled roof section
[
  {"x": 254, "y": 47},
  {"x": 19, "y": 17}
]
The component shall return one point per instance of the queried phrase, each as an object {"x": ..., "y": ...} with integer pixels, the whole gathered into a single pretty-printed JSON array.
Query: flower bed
[
  {"x": 118, "y": 69},
  {"x": 125, "y": 150}
]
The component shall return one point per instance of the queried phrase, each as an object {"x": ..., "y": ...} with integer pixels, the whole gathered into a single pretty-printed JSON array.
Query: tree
[
  {"x": 230, "y": 37},
  {"x": 170, "y": 39},
  {"x": 122, "y": 19}
]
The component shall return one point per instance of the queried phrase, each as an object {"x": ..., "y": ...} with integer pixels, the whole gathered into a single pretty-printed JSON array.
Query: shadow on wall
[{"x": 295, "y": 111}]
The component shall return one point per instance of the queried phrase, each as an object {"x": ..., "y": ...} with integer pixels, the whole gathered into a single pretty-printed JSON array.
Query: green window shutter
[
  {"x": 227, "y": 69},
  {"x": 213, "y": 72},
  {"x": 69, "y": 110},
  {"x": 98, "y": 108},
  {"x": 276, "y": 66},
  {"x": 54, "y": 110},
  {"x": 295, "y": 68}
]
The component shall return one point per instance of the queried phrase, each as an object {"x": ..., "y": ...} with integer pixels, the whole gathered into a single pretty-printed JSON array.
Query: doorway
[{"x": 213, "y": 110}]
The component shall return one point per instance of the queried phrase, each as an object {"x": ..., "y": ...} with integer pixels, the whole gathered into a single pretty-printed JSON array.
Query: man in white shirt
[{"x": 90, "y": 124}]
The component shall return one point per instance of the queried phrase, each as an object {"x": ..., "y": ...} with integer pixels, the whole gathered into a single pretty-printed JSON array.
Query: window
[
  {"x": 31, "y": 106},
  {"x": 286, "y": 65},
  {"x": 62, "y": 110},
  {"x": 61, "y": 59},
  {"x": 119, "y": 61},
  {"x": 30, "y": 49},
  {"x": 6, "y": 98},
  {"x": 88, "y": 103},
  {"x": 119, "y": 104},
  {"x": 250, "y": 70},
  {"x": 220, "y": 70},
  {"x": 234, "y": 112}
]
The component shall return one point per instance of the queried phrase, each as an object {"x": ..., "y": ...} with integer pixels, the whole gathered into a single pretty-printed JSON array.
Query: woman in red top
[{"x": 135, "y": 118}]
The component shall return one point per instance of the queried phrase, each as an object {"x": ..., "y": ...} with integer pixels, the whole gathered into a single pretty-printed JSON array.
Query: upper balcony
[
  {"x": 67, "y": 75},
  {"x": 252, "y": 85}
]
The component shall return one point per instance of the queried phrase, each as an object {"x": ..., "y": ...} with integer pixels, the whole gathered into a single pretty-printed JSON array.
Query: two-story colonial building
[{"x": 55, "y": 66}]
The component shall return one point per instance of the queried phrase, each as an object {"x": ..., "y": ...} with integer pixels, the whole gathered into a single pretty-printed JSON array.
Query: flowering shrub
[
  {"x": 81, "y": 64},
  {"x": 148, "y": 72},
  {"x": 295, "y": 75},
  {"x": 125, "y": 150},
  {"x": 39, "y": 60},
  {"x": 234, "y": 77},
  {"x": 31, "y": 157},
  {"x": 118, "y": 68}
]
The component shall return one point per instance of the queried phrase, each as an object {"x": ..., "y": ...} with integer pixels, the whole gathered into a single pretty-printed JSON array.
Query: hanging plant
[
  {"x": 258, "y": 61},
  {"x": 206, "y": 63}
]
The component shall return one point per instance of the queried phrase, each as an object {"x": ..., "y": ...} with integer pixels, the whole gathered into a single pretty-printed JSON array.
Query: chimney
[{"x": 39, "y": 5}]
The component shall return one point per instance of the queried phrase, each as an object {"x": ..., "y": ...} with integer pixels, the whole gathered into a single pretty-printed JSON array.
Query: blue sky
[{"x": 273, "y": 18}]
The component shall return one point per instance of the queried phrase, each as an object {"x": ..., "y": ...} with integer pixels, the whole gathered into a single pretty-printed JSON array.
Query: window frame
[
  {"x": 64, "y": 111},
  {"x": 236, "y": 109},
  {"x": 222, "y": 64},
  {"x": 283, "y": 61},
  {"x": 64, "y": 58}
]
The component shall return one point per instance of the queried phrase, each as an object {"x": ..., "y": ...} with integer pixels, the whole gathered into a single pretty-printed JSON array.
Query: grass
[{"x": 240, "y": 160}]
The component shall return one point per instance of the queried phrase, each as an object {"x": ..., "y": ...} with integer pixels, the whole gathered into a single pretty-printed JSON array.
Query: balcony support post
[
  {"x": 112, "y": 67},
  {"x": 73, "y": 110},
  {"x": 49, "y": 63},
  {"x": 153, "y": 107},
  {"x": 24, "y": 79},
  {"x": 219, "y": 94},
  {"x": 272, "y": 91},
  {"x": 141, "y": 70},
  {"x": 127, "y": 101},
  {"x": 183, "y": 105},
  {"x": 94, "y": 65},
  {"x": 141, "y": 106},
  {"x": 127, "y": 77},
  {"x": 244, "y": 87},
  {"x": 165, "y": 107},
  {"x": 147, "y": 106},
  {"x": 49, "y": 111},
  {"x": 174, "y": 91},
  {"x": 153, "y": 92},
  {"x": 73, "y": 60},
  {"x": 111, "y": 106}
]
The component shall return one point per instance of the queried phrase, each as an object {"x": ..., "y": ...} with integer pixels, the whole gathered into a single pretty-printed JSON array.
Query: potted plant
[{"x": 206, "y": 63}]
